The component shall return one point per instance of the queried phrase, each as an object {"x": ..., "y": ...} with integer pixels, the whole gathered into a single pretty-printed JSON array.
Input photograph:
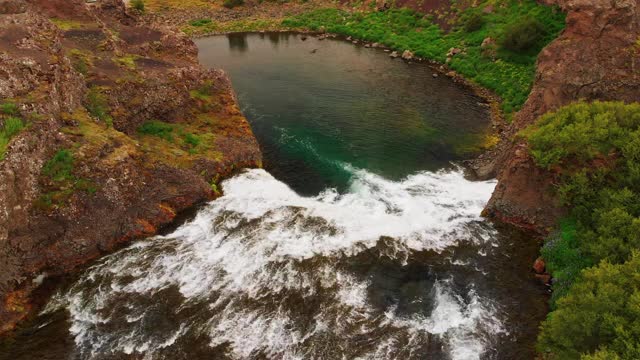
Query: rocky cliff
[
  {"x": 597, "y": 57},
  {"x": 122, "y": 130}
]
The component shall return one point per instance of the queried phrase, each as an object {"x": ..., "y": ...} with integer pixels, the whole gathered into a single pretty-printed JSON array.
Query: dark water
[
  {"x": 359, "y": 240},
  {"x": 313, "y": 102}
]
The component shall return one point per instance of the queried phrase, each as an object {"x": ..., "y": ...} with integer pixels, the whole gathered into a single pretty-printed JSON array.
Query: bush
[
  {"x": 473, "y": 23},
  {"x": 138, "y": 5},
  {"x": 230, "y": 4},
  {"x": 594, "y": 149},
  {"x": 157, "y": 128},
  {"x": 200, "y": 22},
  {"x": 523, "y": 35},
  {"x": 9, "y": 108},
  {"x": 599, "y": 318},
  {"x": 60, "y": 166}
]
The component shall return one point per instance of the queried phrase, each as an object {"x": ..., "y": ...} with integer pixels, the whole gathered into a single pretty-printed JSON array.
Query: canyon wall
[
  {"x": 81, "y": 178},
  {"x": 597, "y": 57}
]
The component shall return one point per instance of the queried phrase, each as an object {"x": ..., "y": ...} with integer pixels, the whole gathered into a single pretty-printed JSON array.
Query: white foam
[{"x": 250, "y": 245}]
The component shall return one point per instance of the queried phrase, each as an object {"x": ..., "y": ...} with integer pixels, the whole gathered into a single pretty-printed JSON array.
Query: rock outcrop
[
  {"x": 597, "y": 57},
  {"x": 82, "y": 178}
]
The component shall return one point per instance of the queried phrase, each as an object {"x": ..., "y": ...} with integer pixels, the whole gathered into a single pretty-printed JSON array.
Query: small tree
[{"x": 523, "y": 34}]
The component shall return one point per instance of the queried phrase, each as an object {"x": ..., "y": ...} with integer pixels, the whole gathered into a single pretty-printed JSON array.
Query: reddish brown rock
[
  {"x": 595, "y": 58},
  {"x": 539, "y": 266},
  {"x": 125, "y": 185}
]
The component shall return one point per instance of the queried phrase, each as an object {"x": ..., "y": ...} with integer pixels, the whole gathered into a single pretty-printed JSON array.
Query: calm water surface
[{"x": 359, "y": 240}]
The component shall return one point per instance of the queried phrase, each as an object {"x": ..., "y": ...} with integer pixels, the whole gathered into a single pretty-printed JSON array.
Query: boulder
[
  {"x": 407, "y": 55},
  {"x": 394, "y": 54}
]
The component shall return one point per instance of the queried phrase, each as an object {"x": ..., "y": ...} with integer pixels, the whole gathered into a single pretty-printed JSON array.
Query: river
[{"x": 360, "y": 239}]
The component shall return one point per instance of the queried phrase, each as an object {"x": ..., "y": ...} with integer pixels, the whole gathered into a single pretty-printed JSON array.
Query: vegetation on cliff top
[
  {"x": 10, "y": 125},
  {"x": 521, "y": 28},
  {"x": 595, "y": 150}
]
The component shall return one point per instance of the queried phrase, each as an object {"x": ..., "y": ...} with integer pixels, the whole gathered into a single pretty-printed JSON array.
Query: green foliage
[
  {"x": 61, "y": 182},
  {"x": 523, "y": 35},
  {"x": 473, "y": 22},
  {"x": 138, "y": 5},
  {"x": 12, "y": 126},
  {"x": 9, "y": 108},
  {"x": 230, "y": 4},
  {"x": 200, "y": 22},
  {"x": 157, "y": 128},
  {"x": 595, "y": 149},
  {"x": 203, "y": 93},
  {"x": 510, "y": 75},
  {"x": 582, "y": 132},
  {"x": 600, "y": 317},
  {"x": 60, "y": 167},
  {"x": 97, "y": 105}
]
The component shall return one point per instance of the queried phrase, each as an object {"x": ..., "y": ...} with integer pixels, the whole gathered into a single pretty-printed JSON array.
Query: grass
[
  {"x": 61, "y": 182},
  {"x": 98, "y": 106},
  {"x": 12, "y": 126},
  {"x": 509, "y": 73},
  {"x": 82, "y": 61},
  {"x": 168, "y": 5},
  {"x": 157, "y": 128},
  {"x": 128, "y": 61},
  {"x": 9, "y": 108},
  {"x": 64, "y": 24}
]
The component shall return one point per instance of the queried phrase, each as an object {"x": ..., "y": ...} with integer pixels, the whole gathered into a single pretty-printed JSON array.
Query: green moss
[
  {"x": 82, "y": 61},
  {"x": 127, "y": 61},
  {"x": 65, "y": 24}
]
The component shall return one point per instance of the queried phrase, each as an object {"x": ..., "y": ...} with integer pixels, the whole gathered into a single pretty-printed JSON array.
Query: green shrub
[
  {"x": 200, "y": 22},
  {"x": 594, "y": 149},
  {"x": 523, "y": 35},
  {"x": 230, "y": 4},
  {"x": 599, "y": 318},
  {"x": 191, "y": 140},
  {"x": 9, "y": 108},
  {"x": 97, "y": 105},
  {"x": 473, "y": 23},
  {"x": 157, "y": 128},
  {"x": 60, "y": 167},
  {"x": 138, "y": 5}
]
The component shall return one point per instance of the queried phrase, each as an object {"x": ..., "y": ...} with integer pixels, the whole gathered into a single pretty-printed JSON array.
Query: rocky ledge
[
  {"x": 121, "y": 131},
  {"x": 597, "y": 57}
]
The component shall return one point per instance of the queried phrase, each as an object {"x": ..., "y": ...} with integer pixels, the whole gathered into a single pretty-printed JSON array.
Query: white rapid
[{"x": 265, "y": 273}]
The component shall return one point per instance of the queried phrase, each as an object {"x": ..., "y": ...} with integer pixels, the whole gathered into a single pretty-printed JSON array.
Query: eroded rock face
[
  {"x": 597, "y": 57},
  {"x": 123, "y": 185}
]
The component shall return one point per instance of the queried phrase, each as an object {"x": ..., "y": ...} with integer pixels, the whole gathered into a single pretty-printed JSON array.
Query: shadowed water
[{"x": 359, "y": 240}]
